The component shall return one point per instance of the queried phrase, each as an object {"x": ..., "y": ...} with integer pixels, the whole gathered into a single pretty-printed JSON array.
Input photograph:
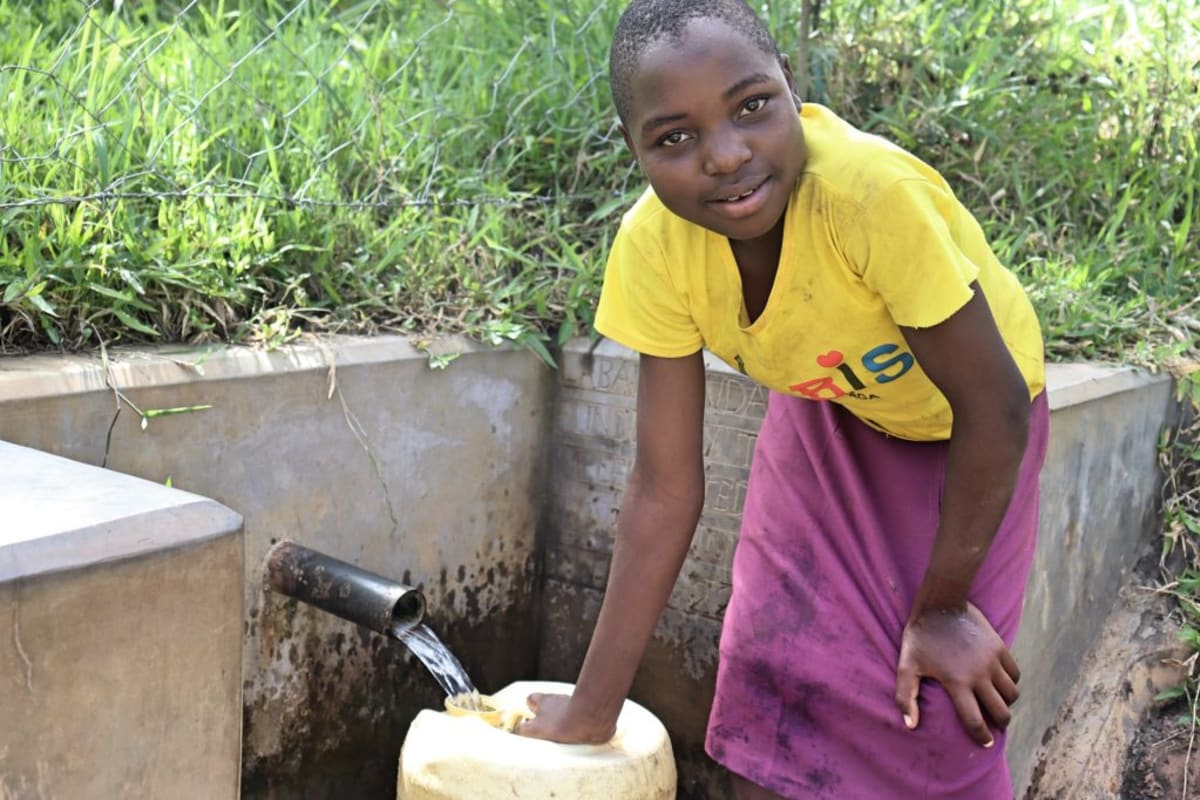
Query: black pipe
[{"x": 342, "y": 589}]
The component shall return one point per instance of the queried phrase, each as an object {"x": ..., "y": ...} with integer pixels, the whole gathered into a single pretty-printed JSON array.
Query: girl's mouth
[{"x": 742, "y": 204}]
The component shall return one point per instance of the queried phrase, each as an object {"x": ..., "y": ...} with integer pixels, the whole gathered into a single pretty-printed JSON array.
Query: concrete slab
[
  {"x": 1076, "y": 384},
  {"x": 123, "y": 667},
  {"x": 60, "y": 514}
]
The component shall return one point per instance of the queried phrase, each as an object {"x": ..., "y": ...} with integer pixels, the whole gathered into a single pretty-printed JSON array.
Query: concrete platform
[{"x": 122, "y": 657}]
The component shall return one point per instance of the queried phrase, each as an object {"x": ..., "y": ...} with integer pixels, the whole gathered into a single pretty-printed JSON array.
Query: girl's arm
[
  {"x": 946, "y": 637},
  {"x": 659, "y": 511}
]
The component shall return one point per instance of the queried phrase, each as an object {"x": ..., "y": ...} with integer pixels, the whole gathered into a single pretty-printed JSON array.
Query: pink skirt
[{"x": 838, "y": 526}]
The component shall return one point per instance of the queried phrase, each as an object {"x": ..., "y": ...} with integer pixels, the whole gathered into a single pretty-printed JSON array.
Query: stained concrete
[
  {"x": 1099, "y": 515},
  {"x": 122, "y": 658},
  {"x": 1099, "y": 501},
  {"x": 354, "y": 447}
]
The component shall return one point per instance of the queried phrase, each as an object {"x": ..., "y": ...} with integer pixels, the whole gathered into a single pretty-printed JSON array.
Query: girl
[{"x": 890, "y": 519}]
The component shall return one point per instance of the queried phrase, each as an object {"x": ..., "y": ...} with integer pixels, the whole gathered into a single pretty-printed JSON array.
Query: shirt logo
[{"x": 882, "y": 364}]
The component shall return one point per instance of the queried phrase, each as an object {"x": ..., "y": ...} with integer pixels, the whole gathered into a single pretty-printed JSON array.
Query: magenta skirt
[{"x": 836, "y": 533}]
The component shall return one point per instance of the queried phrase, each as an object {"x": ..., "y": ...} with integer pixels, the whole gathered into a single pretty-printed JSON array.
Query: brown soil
[{"x": 1158, "y": 758}]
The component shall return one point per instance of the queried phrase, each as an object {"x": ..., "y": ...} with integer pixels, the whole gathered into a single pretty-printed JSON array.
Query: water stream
[{"x": 441, "y": 663}]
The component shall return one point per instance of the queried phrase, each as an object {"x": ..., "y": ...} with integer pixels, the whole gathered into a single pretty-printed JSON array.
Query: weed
[{"x": 1179, "y": 454}]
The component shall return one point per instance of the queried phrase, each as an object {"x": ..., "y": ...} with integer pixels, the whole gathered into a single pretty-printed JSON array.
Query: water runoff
[{"x": 423, "y": 643}]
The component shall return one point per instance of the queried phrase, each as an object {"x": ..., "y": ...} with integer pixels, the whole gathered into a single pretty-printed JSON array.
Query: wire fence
[
  {"x": 217, "y": 169},
  {"x": 369, "y": 105}
]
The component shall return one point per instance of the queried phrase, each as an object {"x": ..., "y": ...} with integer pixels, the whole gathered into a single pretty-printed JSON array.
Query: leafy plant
[{"x": 1180, "y": 557}]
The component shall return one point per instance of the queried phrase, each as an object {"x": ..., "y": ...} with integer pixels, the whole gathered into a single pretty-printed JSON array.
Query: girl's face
[{"x": 715, "y": 129}]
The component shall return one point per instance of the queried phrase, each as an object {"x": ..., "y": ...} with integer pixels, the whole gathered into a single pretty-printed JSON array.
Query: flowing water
[{"x": 441, "y": 663}]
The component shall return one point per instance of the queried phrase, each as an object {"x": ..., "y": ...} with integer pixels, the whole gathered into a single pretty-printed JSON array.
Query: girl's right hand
[
  {"x": 555, "y": 722},
  {"x": 660, "y": 507}
]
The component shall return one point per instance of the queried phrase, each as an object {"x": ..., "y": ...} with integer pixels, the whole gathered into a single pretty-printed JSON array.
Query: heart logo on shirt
[{"x": 830, "y": 359}]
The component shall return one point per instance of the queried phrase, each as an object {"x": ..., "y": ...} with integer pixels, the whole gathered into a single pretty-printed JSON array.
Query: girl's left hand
[
  {"x": 961, "y": 650},
  {"x": 555, "y": 722}
]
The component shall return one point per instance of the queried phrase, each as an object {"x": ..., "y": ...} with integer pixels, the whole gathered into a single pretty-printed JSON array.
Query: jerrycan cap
[{"x": 483, "y": 707}]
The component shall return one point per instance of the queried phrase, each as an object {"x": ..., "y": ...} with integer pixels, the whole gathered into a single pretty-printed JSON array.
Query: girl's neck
[
  {"x": 758, "y": 262},
  {"x": 759, "y": 256}
]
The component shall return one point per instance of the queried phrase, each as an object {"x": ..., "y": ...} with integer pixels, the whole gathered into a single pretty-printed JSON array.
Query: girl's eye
[
  {"x": 674, "y": 139},
  {"x": 752, "y": 105}
]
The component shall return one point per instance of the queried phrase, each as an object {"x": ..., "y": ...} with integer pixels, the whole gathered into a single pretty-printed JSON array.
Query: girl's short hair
[{"x": 647, "y": 22}]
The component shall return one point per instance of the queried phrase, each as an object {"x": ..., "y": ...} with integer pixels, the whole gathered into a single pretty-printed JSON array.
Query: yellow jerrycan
[{"x": 467, "y": 755}]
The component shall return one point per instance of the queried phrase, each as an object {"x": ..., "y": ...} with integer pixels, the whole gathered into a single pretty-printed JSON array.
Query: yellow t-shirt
[{"x": 873, "y": 239}]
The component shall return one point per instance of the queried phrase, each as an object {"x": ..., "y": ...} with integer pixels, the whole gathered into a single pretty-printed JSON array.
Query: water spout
[{"x": 342, "y": 589}]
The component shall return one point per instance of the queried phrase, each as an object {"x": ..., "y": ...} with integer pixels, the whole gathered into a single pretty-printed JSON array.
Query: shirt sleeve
[
  {"x": 911, "y": 247},
  {"x": 640, "y": 307}
]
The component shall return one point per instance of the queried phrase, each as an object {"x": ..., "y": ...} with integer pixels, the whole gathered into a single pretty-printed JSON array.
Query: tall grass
[
  {"x": 247, "y": 170},
  {"x": 250, "y": 169}
]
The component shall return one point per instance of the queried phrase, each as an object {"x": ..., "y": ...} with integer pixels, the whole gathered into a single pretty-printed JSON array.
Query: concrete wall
[
  {"x": 467, "y": 481},
  {"x": 353, "y": 447},
  {"x": 121, "y": 658},
  {"x": 1099, "y": 502},
  {"x": 1099, "y": 515}
]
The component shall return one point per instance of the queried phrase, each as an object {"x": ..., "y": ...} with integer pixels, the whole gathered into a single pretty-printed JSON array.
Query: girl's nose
[{"x": 725, "y": 153}]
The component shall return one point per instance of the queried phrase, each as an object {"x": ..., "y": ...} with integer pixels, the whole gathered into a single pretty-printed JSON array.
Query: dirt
[
  {"x": 1159, "y": 758},
  {"x": 1111, "y": 739}
]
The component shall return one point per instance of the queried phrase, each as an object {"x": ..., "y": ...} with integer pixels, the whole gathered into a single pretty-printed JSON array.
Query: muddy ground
[
  {"x": 1159, "y": 758},
  {"x": 1112, "y": 739}
]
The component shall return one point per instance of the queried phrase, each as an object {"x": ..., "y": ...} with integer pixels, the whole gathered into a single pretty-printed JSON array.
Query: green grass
[
  {"x": 247, "y": 171},
  {"x": 1180, "y": 560}
]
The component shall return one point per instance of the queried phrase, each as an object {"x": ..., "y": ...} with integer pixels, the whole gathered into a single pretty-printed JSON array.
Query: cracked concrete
[
  {"x": 357, "y": 429},
  {"x": 20, "y": 648}
]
